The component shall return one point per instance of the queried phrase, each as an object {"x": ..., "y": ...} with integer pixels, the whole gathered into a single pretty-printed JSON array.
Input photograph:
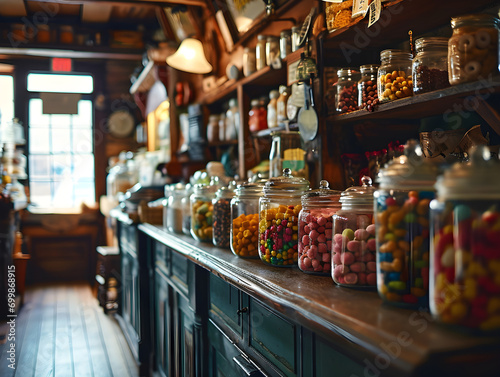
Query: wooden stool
[{"x": 108, "y": 267}]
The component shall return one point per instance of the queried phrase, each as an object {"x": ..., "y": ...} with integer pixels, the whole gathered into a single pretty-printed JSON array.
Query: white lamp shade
[{"x": 190, "y": 57}]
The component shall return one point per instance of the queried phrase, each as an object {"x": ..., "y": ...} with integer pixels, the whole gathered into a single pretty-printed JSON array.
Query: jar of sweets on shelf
[
  {"x": 279, "y": 218},
  {"x": 174, "y": 208},
  {"x": 402, "y": 224},
  {"x": 473, "y": 48},
  {"x": 245, "y": 219},
  {"x": 394, "y": 75},
  {"x": 202, "y": 211},
  {"x": 285, "y": 43},
  {"x": 272, "y": 49},
  {"x": 222, "y": 217},
  {"x": 367, "y": 87},
  {"x": 465, "y": 254},
  {"x": 347, "y": 90},
  {"x": 248, "y": 61},
  {"x": 315, "y": 229},
  {"x": 430, "y": 65},
  {"x": 260, "y": 52},
  {"x": 354, "y": 244}
]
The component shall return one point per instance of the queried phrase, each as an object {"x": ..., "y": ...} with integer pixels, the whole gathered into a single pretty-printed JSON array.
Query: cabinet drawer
[
  {"x": 162, "y": 257},
  {"x": 328, "y": 360},
  {"x": 225, "y": 301},
  {"x": 273, "y": 337}
]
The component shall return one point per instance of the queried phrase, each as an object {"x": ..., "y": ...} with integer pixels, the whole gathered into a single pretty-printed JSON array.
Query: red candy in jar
[
  {"x": 316, "y": 228},
  {"x": 354, "y": 245},
  {"x": 465, "y": 251},
  {"x": 347, "y": 90}
]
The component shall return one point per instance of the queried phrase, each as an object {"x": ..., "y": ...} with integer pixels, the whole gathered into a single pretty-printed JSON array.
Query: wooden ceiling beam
[{"x": 151, "y": 3}]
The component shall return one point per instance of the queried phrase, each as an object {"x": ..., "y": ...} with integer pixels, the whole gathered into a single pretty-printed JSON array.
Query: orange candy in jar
[
  {"x": 394, "y": 75},
  {"x": 315, "y": 229}
]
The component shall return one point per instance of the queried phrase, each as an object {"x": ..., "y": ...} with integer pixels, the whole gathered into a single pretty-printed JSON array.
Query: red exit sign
[{"x": 62, "y": 64}]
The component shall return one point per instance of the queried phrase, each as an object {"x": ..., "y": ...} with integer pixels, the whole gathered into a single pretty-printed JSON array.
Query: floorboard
[{"x": 61, "y": 331}]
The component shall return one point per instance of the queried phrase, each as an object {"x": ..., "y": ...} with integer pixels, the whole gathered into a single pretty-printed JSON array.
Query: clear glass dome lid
[
  {"x": 409, "y": 171},
  {"x": 286, "y": 184},
  {"x": 359, "y": 195},
  {"x": 476, "y": 179},
  {"x": 225, "y": 193},
  {"x": 322, "y": 196}
]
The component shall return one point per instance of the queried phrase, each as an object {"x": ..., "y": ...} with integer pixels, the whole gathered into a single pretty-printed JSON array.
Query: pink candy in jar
[
  {"x": 354, "y": 244},
  {"x": 316, "y": 229}
]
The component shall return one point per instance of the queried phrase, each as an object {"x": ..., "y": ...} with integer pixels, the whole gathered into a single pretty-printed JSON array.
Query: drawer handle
[
  {"x": 242, "y": 310},
  {"x": 247, "y": 368}
]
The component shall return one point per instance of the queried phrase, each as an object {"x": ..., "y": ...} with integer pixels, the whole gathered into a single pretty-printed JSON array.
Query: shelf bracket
[{"x": 489, "y": 114}]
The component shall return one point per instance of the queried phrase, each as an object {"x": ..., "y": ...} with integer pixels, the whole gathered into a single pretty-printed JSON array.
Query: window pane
[
  {"x": 63, "y": 193},
  {"x": 83, "y": 166},
  {"x": 39, "y": 141},
  {"x": 53, "y": 83},
  {"x": 61, "y": 120},
  {"x": 84, "y": 190},
  {"x": 61, "y": 140},
  {"x": 40, "y": 167},
  {"x": 37, "y": 118},
  {"x": 61, "y": 166},
  {"x": 84, "y": 117},
  {"x": 40, "y": 193},
  {"x": 7, "y": 98},
  {"x": 82, "y": 141}
]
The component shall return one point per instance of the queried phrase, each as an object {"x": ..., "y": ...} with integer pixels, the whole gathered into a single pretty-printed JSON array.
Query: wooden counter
[{"x": 379, "y": 337}]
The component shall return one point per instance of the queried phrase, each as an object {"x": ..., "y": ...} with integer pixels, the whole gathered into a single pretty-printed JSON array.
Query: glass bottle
[
  {"x": 174, "y": 216},
  {"x": 213, "y": 128},
  {"x": 473, "y": 48},
  {"x": 232, "y": 120},
  {"x": 263, "y": 101},
  {"x": 295, "y": 38},
  {"x": 394, "y": 75},
  {"x": 354, "y": 244},
  {"x": 402, "y": 223},
  {"x": 272, "y": 49},
  {"x": 465, "y": 258},
  {"x": 272, "y": 109},
  {"x": 222, "y": 217},
  {"x": 285, "y": 43},
  {"x": 249, "y": 61},
  {"x": 254, "y": 117},
  {"x": 315, "y": 229},
  {"x": 222, "y": 127},
  {"x": 260, "y": 52},
  {"x": 245, "y": 219},
  {"x": 282, "y": 103},
  {"x": 202, "y": 212},
  {"x": 347, "y": 90},
  {"x": 278, "y": 219},
  {"x": 367, "y": 87},
  {"x": 430, "y": 65},
  {"x": 287, "y": 153}
]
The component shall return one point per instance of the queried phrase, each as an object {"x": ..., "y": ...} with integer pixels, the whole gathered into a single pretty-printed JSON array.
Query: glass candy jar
[
  {"x": 174, "y": 213},
  {"x": 222, "y": 217},
  {"x": 465, "y": 256},
  {"x": 367, "y": 87},
  {"x": 473, "y": 48},
  {"x": 186, "y": 209},
  {"x": 347, "y": 90},
  {"x": 354, "y": 244},
  {"x": 430, "y": 65},
  {"x": 278, "y": 219},
  {"x": 245, "y": 220},
  {"x": 394, "y": 75},
  {"x": 402, "y": 224},
  {"x": 202, "y": 211},
  {"x": 315, "y": 229}
]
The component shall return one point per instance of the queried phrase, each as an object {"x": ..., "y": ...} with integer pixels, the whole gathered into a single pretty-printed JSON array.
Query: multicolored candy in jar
[
  {"x": 316, "y": 228},
  {"x": 465, "y": 252},
  {"x": 279, "y": 219},
  {"x": 354, "y": 245},
  {"x": 402, "y": 228}
]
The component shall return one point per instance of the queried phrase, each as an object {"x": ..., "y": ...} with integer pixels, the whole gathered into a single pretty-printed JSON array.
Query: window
[
  {"x": 61, "y": 159},
  {"x": 6, "y": 98}
]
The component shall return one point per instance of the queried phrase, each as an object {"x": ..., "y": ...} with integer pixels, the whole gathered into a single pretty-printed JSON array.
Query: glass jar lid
[
  {"x": 224, "y": 193},
  {"x": 369, "y": 68},
  {"x": 176, "y": 189},
  {"x": 286, "y": 185},
  {"x": 395, "y": 54},
  {"x": 431, "y": 43},
  {"x": 253, "y": 189},
  {"x": 347, "y": 72},
  {"x": 409, "y": 171},
  {"x": 478, "y": 19},
  {"x": 323, "y": 196},
  {"x": 357, "y": 196},
  {"x": 204, "y": 189},
  {"x": 473, "y": 180}
]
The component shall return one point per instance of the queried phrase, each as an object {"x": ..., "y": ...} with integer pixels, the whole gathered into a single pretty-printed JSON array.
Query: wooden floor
[{"x": 62, "y": 332}]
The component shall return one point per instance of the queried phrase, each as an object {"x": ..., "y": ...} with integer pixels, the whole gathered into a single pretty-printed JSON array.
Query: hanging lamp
[{"x": 190, "y": 57}]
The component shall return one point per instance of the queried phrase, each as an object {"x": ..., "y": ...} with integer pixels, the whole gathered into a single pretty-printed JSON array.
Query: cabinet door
[
  {"x": 184, "y": 333},
  {"x": 225, "y": 304},
  {"x": 163, "y": 324},
  {"x": 136, "y": 297}
]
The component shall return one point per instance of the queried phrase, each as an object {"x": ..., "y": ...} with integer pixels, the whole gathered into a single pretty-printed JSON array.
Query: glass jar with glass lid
[
  {"x": 430, "y": 65},
  {"x": 222, "y": 217},
  {"x": 279, "y": 208},
  {"x": 394, "y": 75},
  {"x": 354, "y": 244},
  {"x": 245, "y": 219},
  {"x": 367, "y": 87},
  {"x": 202, "y": 211},
  {"x": 174, "y": 213},
  {"x": 315, "y": 229},
  {"x": 347, "y": 90}
]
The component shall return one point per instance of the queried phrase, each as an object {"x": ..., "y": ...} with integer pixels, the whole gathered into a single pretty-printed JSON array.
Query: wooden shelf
[
  {"x": 426, "y": 104},
  {"x": 95, "y": 53}
]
